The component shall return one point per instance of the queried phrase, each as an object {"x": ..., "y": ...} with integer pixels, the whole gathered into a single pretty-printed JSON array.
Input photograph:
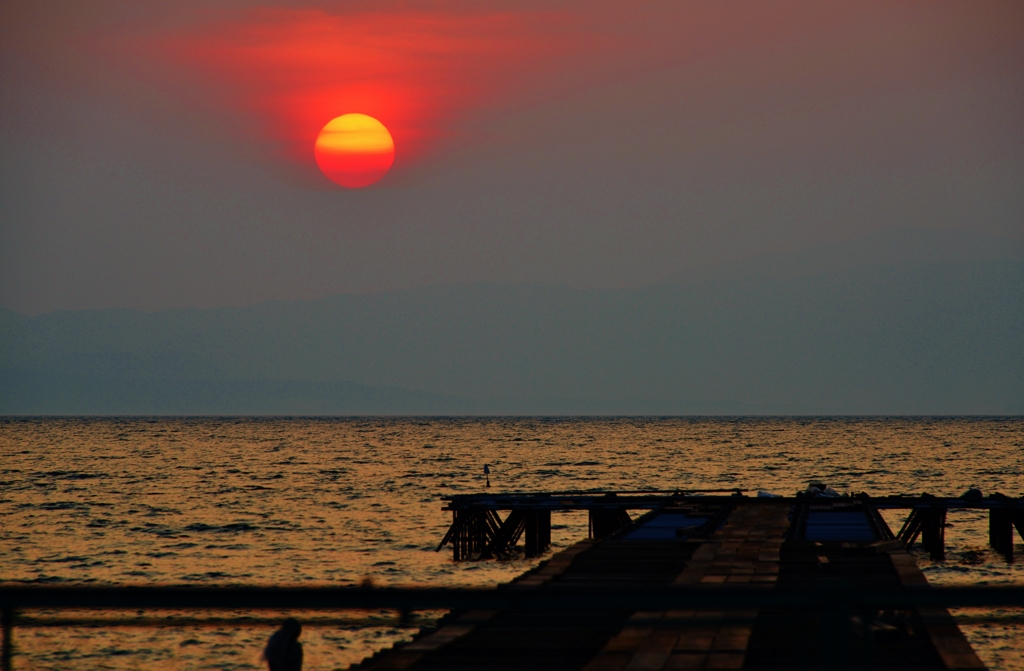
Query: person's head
[{"x": 291, "y": 628}]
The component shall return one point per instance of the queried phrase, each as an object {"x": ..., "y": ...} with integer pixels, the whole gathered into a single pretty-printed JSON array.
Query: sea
[{"x": 342, "y": 501}]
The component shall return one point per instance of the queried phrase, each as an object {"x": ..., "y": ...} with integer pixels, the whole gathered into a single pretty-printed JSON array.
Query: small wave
[
  {"x": 100, "y": 523},
  {"x": 71, "y": 475},
  {"x": 238, "y": 527},
  {"x": 154, "y": 511},
  {"x": 65, "y": 560},
  {"x": 209, "y": 575},
  {"x": 61, "y": 505}
]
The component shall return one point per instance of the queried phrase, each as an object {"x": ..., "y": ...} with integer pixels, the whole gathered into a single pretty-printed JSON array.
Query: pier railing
[
  {"x": 479, "y": 532},
  {"x": 834, "y": 604}
]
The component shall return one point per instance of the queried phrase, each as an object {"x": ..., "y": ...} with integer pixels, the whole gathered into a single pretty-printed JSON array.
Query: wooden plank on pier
[
  {"x": 743, "y": 552},
  {"x": 949, "y": 642},
  {"x": 549, "y": 639},
  {"x": 841, "y": 636},
  {"x": 755, "y": 545},
  {"x": 459, "y": 625}
]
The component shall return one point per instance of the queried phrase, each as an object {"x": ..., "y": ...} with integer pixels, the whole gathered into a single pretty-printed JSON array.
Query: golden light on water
[{"x": 272, "y": 501}]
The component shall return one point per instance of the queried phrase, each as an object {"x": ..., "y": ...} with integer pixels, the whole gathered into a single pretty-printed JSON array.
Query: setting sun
[{"x": 354, "y": 150}]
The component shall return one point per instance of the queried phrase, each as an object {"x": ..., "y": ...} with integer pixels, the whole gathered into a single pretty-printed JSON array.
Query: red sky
[
  {"x": 419, "y": 72},
  {"x": 160, "y": 154},
  {"x": 429, "y": 70}
]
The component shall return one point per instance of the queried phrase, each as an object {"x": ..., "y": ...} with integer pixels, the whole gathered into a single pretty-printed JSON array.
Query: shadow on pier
[{"x": 837, "y": 548}]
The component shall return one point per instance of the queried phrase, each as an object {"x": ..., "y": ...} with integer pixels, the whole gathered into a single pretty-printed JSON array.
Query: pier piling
[
  {"x": 7, "y": 652},
  {"x": 606, "y": 521},
  {"x": 928, "y": 522},
  {"x": 1000, "y": 531},
  {"x": 538, "y": 532}
]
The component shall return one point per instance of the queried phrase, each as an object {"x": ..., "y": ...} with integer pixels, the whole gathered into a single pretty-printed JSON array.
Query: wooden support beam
[
  {"x": 1000, "y": 531},
  {"x": 544, "y": 529},
  {"x": 606, "y": 520},
  {"x": 538, "y": 532},
  {"x": 882, "y": 529},
  {"x": 480, "y": 533},
  {"x": 461, "y": 544},
  {"x": 928, "y": 522},
  {"x": 911, "y": 528},
  {"x": 530, "y": 535},
  {"x": 934, "y": 532},
  {"x": 7, "y": 654},
  {"x": 471, "y": 532},
  {"x": 507, "y": 535}
]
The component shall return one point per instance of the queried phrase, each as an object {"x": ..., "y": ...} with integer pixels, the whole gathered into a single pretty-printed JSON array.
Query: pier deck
[{"x": 838, "y": 547}]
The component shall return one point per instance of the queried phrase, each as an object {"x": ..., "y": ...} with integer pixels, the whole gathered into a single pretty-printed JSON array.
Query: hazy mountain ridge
[
  {"x": 896, "y": 247},
  {"x": 932, "y": 338}
]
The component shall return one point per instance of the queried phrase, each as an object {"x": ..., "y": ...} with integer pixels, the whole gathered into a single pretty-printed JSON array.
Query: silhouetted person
[
  {"x": 487, "y": 474},
  {"x": 283, "y": 651}
]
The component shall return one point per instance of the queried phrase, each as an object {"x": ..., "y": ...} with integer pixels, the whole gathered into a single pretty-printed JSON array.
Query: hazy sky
[{"x": 159, "y": 155}]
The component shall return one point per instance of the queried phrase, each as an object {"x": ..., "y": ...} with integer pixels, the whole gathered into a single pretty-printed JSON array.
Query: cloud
[
  {"x": 430, "y": 71},
  {"x": 285, "y": 72}
]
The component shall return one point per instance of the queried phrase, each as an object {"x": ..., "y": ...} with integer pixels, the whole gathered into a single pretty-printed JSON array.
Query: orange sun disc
[{"x": 354, "y": 150}]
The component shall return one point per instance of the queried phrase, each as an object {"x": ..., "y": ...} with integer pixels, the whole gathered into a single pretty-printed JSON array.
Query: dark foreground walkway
[{"x": 767, "y": 545}]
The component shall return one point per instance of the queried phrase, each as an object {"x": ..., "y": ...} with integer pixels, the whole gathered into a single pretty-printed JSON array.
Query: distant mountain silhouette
[
  {"x": 917, "y": 337},
  {"x": 891, "y": 247}
]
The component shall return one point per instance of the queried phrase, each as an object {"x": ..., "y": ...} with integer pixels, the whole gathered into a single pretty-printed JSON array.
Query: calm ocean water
[{"x": 332, "y": 501}]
